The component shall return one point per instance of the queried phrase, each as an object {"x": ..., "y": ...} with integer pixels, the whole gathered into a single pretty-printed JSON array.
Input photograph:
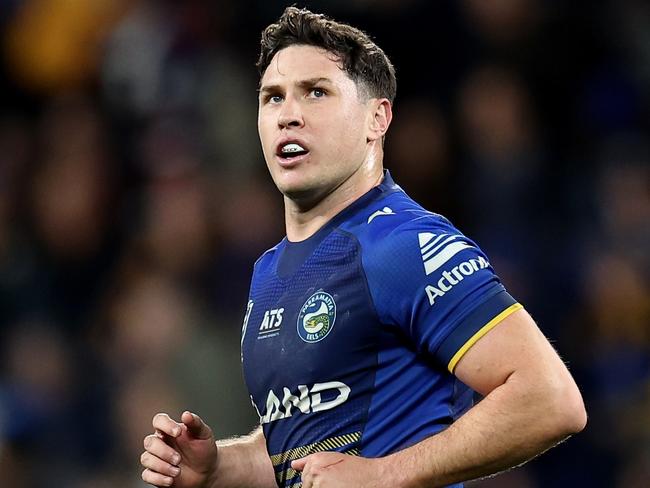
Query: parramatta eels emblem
[{"x": 316, "y": 318}]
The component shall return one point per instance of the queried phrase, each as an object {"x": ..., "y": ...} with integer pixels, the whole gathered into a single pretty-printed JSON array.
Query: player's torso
[
  {"x": 324, "y": 371},
  {"x": 309, "y": 350}
]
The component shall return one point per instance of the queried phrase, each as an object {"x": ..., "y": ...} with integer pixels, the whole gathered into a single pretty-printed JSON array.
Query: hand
[
  {"x": 336, "y": 470},
  {"x": 183, "y": 455}
]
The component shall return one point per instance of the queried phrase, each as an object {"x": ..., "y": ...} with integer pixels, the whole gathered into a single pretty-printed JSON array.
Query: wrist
[
  {"x": 212, "y": 476},
  {"x": 391, "y": 471}
]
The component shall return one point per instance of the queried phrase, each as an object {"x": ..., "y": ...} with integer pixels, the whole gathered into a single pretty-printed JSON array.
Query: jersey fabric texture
[{"x": 351, "y": 337}]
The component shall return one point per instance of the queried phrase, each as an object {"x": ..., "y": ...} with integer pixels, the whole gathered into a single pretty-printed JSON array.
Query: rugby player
[{"x": 369, "y": 327}]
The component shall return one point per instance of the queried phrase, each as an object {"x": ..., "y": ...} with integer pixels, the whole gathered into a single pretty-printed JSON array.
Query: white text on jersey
[
  {"x": 451, "y": 278},
  {"x": 271, "y": 322},
  {"x": 272, "y": 319},
  {"x": 306, "y": 400}
]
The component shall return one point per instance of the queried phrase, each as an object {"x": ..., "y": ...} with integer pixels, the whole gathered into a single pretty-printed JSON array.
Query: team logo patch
[{"x": 316, "y": 318}]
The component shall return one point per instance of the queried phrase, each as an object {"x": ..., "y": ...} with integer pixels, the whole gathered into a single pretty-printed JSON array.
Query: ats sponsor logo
[
  {"x": 319, "y": 398},
  {"x": 270, "y": 326}
]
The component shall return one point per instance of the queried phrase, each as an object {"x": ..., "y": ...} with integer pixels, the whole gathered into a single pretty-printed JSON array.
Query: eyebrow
[{"x": 308, "y": 83}]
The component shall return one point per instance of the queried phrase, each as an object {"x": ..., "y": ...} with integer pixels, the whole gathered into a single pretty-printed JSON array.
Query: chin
[
  {"x": 296, "y": 192},
  {"x": 292, "y": 183},
  {"x": 304, "y": 195}
]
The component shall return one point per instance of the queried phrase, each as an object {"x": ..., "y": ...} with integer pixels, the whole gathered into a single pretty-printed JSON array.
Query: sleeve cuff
[{"x": 478, "y": 323}]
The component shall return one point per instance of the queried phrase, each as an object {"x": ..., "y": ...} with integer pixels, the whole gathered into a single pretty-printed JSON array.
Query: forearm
[
  {"x": 511, "y": 425},
  {"x": 244, "y": 463}
]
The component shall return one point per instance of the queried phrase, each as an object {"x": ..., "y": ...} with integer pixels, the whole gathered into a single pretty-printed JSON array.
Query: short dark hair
[{"x": 363, "y": 61}]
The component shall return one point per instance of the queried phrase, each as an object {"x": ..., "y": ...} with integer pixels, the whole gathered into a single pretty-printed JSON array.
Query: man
[{"x": 366, "y": 323}]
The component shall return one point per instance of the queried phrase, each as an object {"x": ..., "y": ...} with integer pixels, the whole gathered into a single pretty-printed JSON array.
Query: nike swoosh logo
[{"x": 383, "y": 211}]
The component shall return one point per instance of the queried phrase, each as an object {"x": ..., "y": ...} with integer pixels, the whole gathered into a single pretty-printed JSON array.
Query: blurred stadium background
[{"x": 134, "y": 200}]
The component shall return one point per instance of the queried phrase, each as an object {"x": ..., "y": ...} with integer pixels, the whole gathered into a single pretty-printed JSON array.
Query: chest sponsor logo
[
  {"x": 316, "y": 318},
  {"x": 270, "y": 326},
  {"x": 452, "y": 277},
  {"x": 319, "y": 398}
]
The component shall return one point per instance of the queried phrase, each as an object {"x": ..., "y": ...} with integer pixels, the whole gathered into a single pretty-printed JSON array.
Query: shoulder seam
[{"x": 272, "y": 249}]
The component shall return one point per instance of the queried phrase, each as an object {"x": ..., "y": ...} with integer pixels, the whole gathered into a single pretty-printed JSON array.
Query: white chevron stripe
[
  {"x": 443, "y": 256},
  {"x": 424, "y": 238},
  {"x": 437, "y": 248},
  {"x": 426, "y": 248}
]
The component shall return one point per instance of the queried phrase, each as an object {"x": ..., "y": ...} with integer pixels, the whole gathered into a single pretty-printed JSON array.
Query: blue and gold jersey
[{"x": 351, "y": 337}]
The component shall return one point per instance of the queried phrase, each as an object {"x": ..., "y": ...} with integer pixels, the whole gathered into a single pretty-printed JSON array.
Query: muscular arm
[{"x": 531, "y": 403}]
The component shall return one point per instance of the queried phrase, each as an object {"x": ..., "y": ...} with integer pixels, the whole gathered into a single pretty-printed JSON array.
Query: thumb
[
  {"x": 195, "y": 426},
  {"x": 299, "y": 464}
]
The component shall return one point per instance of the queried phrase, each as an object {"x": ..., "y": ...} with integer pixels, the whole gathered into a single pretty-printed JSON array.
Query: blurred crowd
[{"x": 134, "y": 200}]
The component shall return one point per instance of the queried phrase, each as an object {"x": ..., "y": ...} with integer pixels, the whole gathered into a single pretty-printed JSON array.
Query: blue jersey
[{"x": 351, "y": 337}]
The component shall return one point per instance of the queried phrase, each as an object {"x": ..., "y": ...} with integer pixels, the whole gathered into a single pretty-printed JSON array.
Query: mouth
[{"x": 291, "y": 152}]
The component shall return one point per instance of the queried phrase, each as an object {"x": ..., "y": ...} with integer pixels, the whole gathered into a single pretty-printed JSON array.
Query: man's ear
[{"x": 381, "y": 116}]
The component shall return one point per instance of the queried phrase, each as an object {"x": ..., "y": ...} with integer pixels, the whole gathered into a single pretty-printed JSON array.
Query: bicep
[{"x": 516, "y": 345}]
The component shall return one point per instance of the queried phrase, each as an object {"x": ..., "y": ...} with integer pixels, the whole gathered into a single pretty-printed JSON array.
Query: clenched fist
[{"x": 179, "y": 454}]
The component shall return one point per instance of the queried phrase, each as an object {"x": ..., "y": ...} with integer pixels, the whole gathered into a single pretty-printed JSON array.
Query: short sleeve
[{"x": 435, "y": 284}]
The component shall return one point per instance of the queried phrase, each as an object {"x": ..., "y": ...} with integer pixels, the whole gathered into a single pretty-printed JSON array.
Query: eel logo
[{"x": 316, "y": 318}]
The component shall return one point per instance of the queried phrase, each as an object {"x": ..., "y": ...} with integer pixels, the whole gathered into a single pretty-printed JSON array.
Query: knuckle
[
  {"x": 160, "y": 417},
  {"x": 317, "y": 458},
  {"x": 147, "y": 476},
  {"x": 174, "y": 457}
]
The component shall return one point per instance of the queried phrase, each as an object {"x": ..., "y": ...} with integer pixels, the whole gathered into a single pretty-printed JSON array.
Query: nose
[{"x": 291, "y": 114}]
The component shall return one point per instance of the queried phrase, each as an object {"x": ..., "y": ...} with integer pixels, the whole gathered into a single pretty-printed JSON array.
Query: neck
[{"x": 303, "y": 222}]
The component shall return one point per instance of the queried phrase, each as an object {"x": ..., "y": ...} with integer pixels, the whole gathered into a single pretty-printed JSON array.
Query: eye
[
  {"x": 318, "y": 92},
  {"x": 272, "y": 98}
]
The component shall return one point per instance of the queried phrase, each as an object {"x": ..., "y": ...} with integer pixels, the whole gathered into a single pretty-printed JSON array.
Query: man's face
[{"x": 312, "y": 123}]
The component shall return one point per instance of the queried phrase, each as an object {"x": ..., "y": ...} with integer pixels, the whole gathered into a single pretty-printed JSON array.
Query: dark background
[{"x": 134, "y": 200}]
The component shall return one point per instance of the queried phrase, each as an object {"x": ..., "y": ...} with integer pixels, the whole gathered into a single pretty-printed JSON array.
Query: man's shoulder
[
  {"x": 267, "y": 256},
  {"x": 391, "y": 221}
]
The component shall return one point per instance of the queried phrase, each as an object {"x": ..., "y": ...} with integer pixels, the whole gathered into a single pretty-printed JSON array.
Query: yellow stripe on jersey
[
  {"x": 288, "y": 474},
  {"x": 480, "y": 333},
  {"x": 324, "y": 445},
  {"x": 299, "y": 452}
]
